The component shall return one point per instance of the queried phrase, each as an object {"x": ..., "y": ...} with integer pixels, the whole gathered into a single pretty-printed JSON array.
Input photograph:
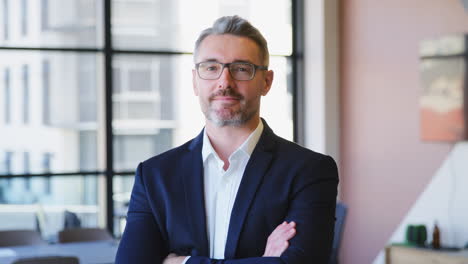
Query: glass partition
[
  {"x": 46, "y": 203},
  {"x": 52, "y": 112},
  {"x": 175, "y": 25},
  {"x": 51, "y": 23}
]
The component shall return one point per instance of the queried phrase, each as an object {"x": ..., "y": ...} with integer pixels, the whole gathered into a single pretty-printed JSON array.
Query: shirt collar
[{"x": 247, "y": 147}]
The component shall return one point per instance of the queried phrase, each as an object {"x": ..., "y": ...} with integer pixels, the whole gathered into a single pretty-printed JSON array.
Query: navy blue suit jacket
[{"x": 282, "y": 182}]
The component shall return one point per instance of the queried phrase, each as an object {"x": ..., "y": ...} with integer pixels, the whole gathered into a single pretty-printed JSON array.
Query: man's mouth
[
  {"x": 226, "y": 98},
  {"x": 227, "y": 95}
]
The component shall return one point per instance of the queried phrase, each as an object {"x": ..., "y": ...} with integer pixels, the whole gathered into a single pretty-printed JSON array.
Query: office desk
[
  {"x": 405, "y": 255},
  {"x": 102, "y": 252}
]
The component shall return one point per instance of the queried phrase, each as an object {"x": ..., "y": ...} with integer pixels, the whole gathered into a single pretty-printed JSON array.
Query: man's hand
[
  {"x": 277, "y": 242},
  {"x": 174, "y": 259}
]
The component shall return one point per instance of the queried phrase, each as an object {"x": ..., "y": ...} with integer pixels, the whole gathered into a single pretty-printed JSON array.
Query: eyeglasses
[{"x": 241, "y": 71}]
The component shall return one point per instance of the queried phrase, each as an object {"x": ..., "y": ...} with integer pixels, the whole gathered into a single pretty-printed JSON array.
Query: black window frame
[{"x": 295, "y": 83}]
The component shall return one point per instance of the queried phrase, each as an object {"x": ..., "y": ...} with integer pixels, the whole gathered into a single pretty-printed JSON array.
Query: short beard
[{"x": 237, "y": 119}]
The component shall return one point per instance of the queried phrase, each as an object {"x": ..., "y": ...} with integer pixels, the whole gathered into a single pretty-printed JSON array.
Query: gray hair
[{"x": 236, "y": 26}]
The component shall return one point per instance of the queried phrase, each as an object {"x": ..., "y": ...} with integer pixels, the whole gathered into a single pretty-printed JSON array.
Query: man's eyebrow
[
  {"x": 215, "y": 60},
  {"x": 244, "y": 61}
]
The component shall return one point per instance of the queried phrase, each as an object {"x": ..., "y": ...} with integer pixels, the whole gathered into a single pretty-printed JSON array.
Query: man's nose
[{"x": 226, "y": 74}]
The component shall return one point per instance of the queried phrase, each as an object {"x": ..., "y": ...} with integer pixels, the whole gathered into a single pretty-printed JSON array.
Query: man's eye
[
  {"x": 241, "y": 69},
  {"x": 211, "y": 68}
]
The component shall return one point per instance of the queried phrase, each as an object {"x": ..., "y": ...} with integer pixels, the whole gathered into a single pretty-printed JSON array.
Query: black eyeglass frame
[{"x": 224, "y": 65}]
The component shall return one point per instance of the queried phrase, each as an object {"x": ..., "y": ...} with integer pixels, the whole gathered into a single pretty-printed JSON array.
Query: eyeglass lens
[{"x": 239, "y": 71}]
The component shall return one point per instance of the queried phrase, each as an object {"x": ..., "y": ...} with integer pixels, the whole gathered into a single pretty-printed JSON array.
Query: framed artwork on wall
[{"x": 443, "y": 102}]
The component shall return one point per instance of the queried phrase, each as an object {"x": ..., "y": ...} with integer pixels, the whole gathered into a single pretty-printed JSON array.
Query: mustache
[{"x": 227, "y": 92}]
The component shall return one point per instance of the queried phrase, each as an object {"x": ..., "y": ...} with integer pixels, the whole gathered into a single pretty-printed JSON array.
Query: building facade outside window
[
  {"x": 8, "y": 166},
  {"x": 24, "y": 17},
  {"x": 45, "y": 92},
  {"x": 6, "y": 18},
  {"x": 26, "y": 92},
  {"x": 7, "y": 96},
  {"x": 46, "y": 164},
  {"x": 27, "y": 170}
]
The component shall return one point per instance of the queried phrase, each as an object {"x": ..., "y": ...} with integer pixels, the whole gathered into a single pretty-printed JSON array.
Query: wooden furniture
[
  {"x": 83, "y": 234},
  {"x": 413, "y": 255},
  {"x": 102, "y": 252},
  {"x": 9, "y": 238},
  {"x": 48, "y": 260}
]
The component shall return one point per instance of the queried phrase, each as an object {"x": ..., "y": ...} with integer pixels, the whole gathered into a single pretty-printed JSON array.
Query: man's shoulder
[
  {"x": 291, "y": 152},
  {"x": 293, "y": 159},
  {"x": 287, "y": 147}
]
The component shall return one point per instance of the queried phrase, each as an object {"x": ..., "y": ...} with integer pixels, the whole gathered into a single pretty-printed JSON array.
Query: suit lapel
[
  {"x": 194, "y": 196},
  {"x": 256, "y": 168}
]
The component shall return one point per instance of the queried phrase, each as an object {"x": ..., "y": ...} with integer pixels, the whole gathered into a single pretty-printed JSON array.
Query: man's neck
[{"x": 225, "y": 140}]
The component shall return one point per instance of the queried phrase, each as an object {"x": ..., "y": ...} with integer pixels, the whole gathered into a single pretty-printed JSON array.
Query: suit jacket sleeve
[
  {"x": 312, "y": 207},
  {"x": 142, "y": 241}
]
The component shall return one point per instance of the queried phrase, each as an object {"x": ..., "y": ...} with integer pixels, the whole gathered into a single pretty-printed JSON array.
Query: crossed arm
[{"x": 277, "y": 243}]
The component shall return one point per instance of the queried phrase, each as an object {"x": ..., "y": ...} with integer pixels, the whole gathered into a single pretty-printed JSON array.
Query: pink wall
[{"x": 385, "y": 166}]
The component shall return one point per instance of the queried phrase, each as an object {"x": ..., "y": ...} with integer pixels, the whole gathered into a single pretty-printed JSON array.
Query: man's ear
[
  {"x": 268, "y": 82},
  {"x": 194, "y": 82}
]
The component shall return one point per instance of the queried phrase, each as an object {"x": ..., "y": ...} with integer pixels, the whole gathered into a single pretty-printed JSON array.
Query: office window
[
  {"x": 143, "y": 19},
  {"x": 26, "y": 101},
  {"x": 6, "y": 18},
  {"x": 78, "y": 15},
  {"x": 7, "y": 96},
  {"x": 137, "y": 95},
  {"x": 133, "y": 149},
  {"x": 24, "y": 17},
  {"x": 61, "y": 23},
  {"x": 19, "y": 206},
  {"x": 63, "y": 92},
  {"x": 174, "y": 25},
  {"x": 80, "y": 18}
]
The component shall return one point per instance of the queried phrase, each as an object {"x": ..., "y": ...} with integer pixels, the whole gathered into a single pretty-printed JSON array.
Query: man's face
[{"x": 226, "y": 101}]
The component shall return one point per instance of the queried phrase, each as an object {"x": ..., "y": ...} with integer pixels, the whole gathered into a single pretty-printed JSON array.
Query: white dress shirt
[{"x": 221, "y": 188}]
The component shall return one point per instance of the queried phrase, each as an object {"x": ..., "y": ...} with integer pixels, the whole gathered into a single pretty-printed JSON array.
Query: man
[{"x": 236, "y": 193}]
